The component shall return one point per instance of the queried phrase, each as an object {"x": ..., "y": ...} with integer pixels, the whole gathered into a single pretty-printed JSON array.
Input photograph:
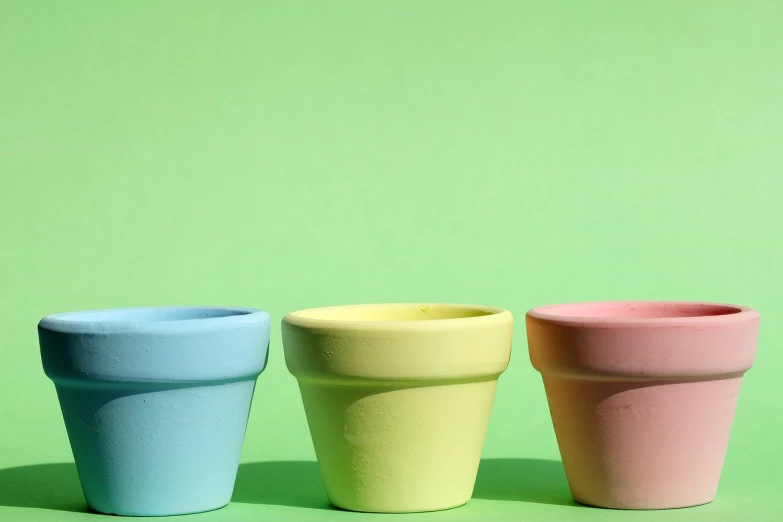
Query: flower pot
[
  {"x": 155, "y": 402},
  {"x": 642, "y": 396},
  {"x": 398, "y": 398}
]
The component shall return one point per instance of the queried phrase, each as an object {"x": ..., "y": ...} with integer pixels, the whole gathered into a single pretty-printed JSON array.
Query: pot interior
[
  {"x": 638, "y": 310},
  {"x": 396, "y": 312},
  {"x": 149, "y": 315}
]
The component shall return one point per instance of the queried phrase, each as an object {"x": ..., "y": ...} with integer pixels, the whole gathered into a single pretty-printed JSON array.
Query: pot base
[
  {"x": 156, "y": 450},
  {"x": 642, "y": 444},
  {"x": 641, "y": 507},
  {"x": 134, "y": 513},
  {"x": 398, "y": 450},
  {"x": 396, "y": 510}
]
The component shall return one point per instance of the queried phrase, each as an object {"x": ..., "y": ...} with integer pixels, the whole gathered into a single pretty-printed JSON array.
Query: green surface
[{"x": 293, "y": 154}]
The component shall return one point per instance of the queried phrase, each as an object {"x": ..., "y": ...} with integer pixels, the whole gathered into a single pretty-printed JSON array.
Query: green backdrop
[{"x": 295, "y": 154}]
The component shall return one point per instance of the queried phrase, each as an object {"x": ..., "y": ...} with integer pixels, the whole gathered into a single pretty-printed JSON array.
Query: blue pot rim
[{"x": 154, "y": 319}]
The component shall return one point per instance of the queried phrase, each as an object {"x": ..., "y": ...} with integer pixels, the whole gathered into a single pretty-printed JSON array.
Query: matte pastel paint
[
  {"x": 398, "y": 398},
  {"x": 156, "y": 402},
  {"x": 642, "y": 395}
]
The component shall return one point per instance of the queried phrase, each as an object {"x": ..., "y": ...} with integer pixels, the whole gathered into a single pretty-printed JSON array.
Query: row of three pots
[{"x": 398, "y": 399}]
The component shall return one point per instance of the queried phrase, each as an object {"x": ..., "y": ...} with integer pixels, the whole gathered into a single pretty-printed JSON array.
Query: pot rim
[
  {"x": 153, "y": 319},
  {"x": 712, "y": 313},
  {"x": 483, "y": 315}
]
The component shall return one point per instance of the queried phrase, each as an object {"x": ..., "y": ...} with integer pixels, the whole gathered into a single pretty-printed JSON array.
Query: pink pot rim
[
  {"x": 642, "y": 313},
  {"x": 643, "y": 340}
]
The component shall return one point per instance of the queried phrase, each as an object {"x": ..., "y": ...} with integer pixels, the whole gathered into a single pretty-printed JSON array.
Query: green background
[{"x": 294, "y": 154}]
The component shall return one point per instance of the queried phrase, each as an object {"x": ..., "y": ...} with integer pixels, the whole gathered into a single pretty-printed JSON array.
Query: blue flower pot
[{"x": 156, "y": 402}]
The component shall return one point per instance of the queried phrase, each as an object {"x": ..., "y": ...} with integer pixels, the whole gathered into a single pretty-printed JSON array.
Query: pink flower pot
[{"x": 642, "y": 395}]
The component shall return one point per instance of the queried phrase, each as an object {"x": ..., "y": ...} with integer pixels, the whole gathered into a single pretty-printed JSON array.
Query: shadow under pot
[
  {"x": 155, "y": 402},
  {"x": 398, "y": 398},
  {"x": 642, "y": 395}
]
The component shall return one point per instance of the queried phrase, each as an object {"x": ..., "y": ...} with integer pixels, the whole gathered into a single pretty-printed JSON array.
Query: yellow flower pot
[{"x": 398, "y": 398}]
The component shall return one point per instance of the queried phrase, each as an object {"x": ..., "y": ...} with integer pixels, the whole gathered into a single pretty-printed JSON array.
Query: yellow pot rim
[{"x": 444, "y": 316}]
